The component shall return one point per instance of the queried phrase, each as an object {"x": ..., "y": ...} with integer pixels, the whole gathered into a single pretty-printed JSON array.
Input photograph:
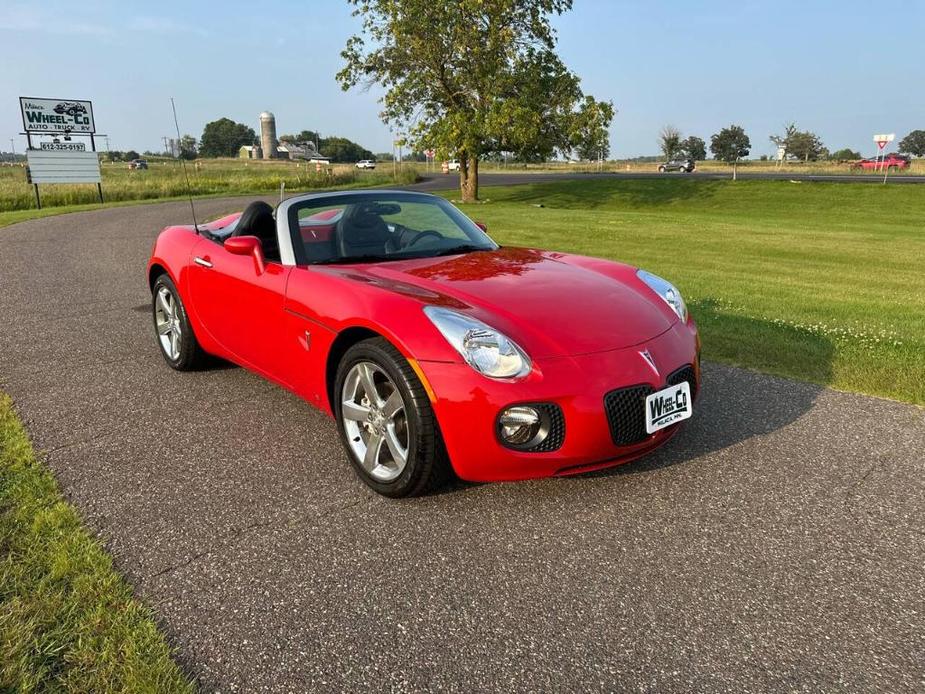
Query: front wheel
[
  {"x": 385, "y": 420},
  {"x": 661, "y": 169}
]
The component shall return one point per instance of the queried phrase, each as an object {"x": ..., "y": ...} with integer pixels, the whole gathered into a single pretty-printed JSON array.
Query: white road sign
[
  {"x": 885, "y": 137},
  {"x": 57, "y": 116},
  {"x": 63, "y": 167}
]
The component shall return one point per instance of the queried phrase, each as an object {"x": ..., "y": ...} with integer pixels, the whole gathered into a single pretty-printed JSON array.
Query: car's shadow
[{"x": 738, "y": 404}]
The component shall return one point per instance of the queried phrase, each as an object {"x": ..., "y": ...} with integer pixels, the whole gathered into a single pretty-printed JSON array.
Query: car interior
[
  {"x": 357, "y": 229},
  {"x": 257, "y": 220}
]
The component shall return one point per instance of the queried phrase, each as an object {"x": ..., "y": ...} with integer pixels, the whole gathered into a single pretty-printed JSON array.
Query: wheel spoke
[
  {"x": 369, "y": 385},
  {"x": 355, "y": 412},
  {"x": 373, "y": 446},
  {"x": 399, "y": 452},
  {"x": 162, "y": 302},
  {"x": 163, "y": 328},
  {"x": 393, "y": 405},
  {"x": 174, "y": 345}
]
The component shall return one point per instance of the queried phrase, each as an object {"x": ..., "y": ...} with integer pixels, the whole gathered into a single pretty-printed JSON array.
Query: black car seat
[
  {"x": 257, "y": 220},
  {"x": 363, "y": 232}
]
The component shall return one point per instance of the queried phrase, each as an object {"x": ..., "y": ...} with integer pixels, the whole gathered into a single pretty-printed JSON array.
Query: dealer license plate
[{"x": 668, "y": 406}]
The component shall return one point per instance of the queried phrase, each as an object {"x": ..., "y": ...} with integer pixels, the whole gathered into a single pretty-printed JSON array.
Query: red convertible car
[{"x": 429, "y": 343}]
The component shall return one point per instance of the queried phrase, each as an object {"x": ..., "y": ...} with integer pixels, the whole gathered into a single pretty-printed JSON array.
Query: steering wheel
[{"x": 424, "y": 234}]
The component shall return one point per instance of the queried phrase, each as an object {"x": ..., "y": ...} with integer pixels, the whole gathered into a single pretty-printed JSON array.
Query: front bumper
[{"x": 468, "y": 404}]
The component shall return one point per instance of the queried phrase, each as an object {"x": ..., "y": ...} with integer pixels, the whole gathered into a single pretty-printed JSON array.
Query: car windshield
[{"x": 370, "y": 227}]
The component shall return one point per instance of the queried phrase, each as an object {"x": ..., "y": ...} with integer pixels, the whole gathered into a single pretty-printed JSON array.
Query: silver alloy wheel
[
  {"x": 167, "y": 320},
  {"x": 375, "y": 421}
]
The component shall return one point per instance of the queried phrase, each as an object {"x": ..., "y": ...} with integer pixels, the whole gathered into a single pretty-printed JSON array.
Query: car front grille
[{"x": 625, "y": 407}]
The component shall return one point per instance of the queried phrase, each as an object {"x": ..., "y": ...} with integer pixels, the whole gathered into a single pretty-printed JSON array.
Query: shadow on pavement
[
  {"x": 736, "y": 404},
  {"x": 593, "y": 193}
]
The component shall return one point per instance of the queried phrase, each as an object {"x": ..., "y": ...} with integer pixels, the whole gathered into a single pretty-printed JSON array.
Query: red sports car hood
[{"x": 551, "y": 304}]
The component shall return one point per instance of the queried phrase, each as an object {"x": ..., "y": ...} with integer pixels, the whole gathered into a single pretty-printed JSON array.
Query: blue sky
[{"x": 845, "y": 69}]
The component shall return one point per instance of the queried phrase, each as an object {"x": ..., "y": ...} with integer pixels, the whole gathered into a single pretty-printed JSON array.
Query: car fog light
[{"x": 521, "y": 425}]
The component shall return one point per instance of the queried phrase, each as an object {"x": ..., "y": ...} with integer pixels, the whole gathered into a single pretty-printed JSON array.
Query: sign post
[{"x": 56, "y": 161}]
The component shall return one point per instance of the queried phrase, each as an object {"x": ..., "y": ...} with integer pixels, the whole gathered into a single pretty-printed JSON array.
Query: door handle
[{"x": 202, "y": 261}]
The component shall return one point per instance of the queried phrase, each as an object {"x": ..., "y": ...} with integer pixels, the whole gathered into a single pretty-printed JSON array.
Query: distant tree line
[{"x": 732, "y": 144}]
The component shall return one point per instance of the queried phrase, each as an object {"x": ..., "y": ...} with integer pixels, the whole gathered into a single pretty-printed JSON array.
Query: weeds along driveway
[{"x": 777, "y": 542}]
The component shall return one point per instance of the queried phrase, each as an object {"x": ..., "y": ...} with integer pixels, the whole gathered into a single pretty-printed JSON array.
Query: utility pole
[{"x": 13, "y": 146}]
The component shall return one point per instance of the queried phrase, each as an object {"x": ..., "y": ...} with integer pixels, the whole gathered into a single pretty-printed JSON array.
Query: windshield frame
[{"x": 477, "y": 240}]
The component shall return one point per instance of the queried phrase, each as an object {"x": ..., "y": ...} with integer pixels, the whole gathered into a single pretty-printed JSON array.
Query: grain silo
[{"x": 268, "y": 135}]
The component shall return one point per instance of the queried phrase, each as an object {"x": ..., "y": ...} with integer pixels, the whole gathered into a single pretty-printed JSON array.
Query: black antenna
[{"x": 189, "y": 189}]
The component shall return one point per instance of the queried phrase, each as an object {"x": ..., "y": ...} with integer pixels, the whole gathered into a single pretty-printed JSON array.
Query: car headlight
[
  {"x": 667, "y": 291},
  {"x": 485, "y": 349}
]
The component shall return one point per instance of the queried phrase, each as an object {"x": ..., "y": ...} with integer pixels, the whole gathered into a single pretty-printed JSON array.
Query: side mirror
[
  {"x": 482, "y": 226},
  {"x": 247, "y": 245}
]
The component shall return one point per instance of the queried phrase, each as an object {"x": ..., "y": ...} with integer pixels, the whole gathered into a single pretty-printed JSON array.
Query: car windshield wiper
[
  {"x": 346, "y": 259},
  {"x": 453, "y": 250}
]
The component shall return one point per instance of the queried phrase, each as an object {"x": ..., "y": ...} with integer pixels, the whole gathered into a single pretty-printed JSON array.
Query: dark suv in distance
[{"x": 682, "y": 165}]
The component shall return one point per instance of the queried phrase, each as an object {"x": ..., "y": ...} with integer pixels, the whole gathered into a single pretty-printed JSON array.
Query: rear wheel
[
  {"x": 174, "y": 333},
  {"x": 386, "y": 422}
]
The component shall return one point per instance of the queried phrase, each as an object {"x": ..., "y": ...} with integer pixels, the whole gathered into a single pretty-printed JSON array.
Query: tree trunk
[{"x": 468, "y": 178}]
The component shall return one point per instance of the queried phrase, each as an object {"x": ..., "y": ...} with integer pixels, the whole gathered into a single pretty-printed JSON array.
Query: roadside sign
[
  {"x": 884, "y": 138},
  {"x": 63, "y": 167},
  {"x": 57, "y": 116}
]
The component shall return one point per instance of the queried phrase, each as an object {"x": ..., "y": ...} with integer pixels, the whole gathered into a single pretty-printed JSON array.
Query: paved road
[
  {"x": 444, "y": 181},
  {"x": 777, "y": 543}
]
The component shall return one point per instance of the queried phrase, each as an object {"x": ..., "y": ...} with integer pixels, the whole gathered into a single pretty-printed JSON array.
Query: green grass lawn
[
  {"x": 818, "y": 281},
  {"x": 68, "y": 621}
]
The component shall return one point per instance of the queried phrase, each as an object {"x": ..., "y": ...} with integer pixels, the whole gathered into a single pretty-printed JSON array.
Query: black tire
[
  {"x": 427, "y": 465},
  {"x": 190, "y": 355},
  {"x": 662, "y": 169}
]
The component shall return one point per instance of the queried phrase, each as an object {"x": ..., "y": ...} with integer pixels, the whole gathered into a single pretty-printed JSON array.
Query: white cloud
[{"x": 26, "y": 19}]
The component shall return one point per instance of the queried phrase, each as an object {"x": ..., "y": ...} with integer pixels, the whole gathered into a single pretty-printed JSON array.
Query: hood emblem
[{"x": 650, "y": 360}]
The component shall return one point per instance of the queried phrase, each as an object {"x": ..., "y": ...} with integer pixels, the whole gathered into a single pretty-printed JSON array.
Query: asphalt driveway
[{"x": 777, "y": 543}]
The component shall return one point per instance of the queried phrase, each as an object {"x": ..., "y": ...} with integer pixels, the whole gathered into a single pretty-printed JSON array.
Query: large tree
[
  {"x": 845, "y": 154},
  {"x": 729, "y": 145},
  {"x": 224, "y": 137},
  {"x": 694, "y": 147},
  {"x": 913, "y": 143},
  {"x": 591, "y": 129},
  {"x": 340, "y": 149},
  {"x": 669, "y": 141},
  {"x": 805, "y": 145},
  {"x": 468, "y": 77},
  {"x": 188, "y": 147},
  {"x": 800, "y": 144}
]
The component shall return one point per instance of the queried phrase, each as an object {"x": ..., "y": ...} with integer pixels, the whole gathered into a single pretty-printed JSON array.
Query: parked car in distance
[
  {"x": 453, "y": 165},
  {"x": 138, "y": 164},
  {"x": 682, "y": 165},
  {"x": 366, "y": 164},
  {"x": 889, "y": 161}
]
